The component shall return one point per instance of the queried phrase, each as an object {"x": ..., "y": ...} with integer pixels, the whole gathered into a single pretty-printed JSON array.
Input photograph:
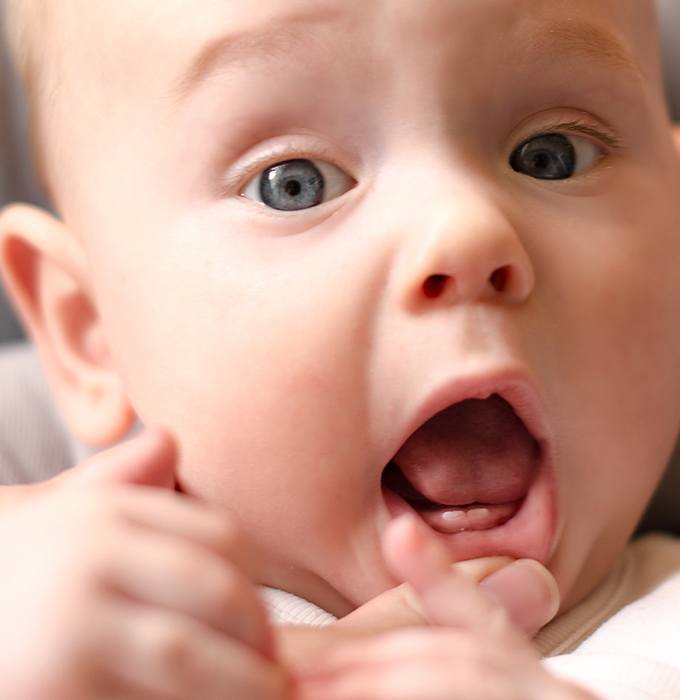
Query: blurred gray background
[
  {"x": 18, "y": 183},
  {"x": 16, "y": 176}
]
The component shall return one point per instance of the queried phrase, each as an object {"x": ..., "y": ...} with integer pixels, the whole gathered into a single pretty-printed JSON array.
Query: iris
[
  {"x": 292, "y": 185},
  {"x": 545, "y": 157}
]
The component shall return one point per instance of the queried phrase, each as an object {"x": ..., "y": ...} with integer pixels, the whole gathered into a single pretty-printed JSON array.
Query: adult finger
[
  {"x": 447, "y": 597},
  {"x": 400, "y": 665},
  {"x": 479, "y": 569},
  {"x": 392, "y": 647},
  {"x": 171, "y": 655},
  {"x": 401, "y": 607},
  {"x": 169, "y": 573},
  {"x": 147, "y": 459},
  {"x": 201, "y": 523},
  {"x": 527, "y": 591}
]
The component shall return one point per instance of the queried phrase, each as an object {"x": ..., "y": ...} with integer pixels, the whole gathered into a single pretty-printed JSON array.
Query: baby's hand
[
  {"x": 113, "y": 591},
  {"x": 475, "y": 652}
]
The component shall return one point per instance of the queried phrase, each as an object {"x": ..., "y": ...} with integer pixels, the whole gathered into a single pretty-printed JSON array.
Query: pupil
[
  {"x": 541, "y": 161},
  {"x": 293, "y": 188}
]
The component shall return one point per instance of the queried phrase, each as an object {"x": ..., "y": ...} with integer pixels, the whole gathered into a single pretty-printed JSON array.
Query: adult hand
[
  {"x": 474, "y": 651},
  {"x": 524, "y": 589},
  {"x": 116, "y": 588}
]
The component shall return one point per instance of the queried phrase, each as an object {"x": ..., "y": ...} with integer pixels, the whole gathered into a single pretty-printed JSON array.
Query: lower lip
[{"x": 528, "y": 534}]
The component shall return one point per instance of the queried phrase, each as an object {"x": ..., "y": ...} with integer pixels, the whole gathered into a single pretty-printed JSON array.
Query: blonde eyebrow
[
  {"x": 277, "y": 37},
  {"x": 587, "y": 41}
]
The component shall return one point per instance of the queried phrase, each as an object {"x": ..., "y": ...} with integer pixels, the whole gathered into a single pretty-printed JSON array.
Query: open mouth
[
  {"x": 449, "y": 518},
  {"x": 476, "y": 472}
]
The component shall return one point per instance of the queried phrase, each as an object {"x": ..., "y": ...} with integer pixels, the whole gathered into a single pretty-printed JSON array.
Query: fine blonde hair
[{"x": 28, "y": 40}]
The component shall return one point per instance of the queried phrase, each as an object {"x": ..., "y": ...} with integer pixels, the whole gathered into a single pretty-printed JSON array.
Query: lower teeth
[{"x": 450, "y": 520}]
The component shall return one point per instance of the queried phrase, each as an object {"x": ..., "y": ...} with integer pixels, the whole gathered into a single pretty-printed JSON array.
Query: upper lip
[{"x": 513, "y": 385}]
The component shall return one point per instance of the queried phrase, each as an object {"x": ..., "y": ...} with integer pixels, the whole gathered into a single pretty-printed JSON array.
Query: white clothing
[{"x": 622, "y": 642}]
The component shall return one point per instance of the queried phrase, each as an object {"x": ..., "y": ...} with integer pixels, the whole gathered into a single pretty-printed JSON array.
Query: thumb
[
  {"x": 527, "y": 591},
  {"x": 148, "y": 459}
]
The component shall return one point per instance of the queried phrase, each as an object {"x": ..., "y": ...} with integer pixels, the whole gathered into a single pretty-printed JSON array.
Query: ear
[{"x": 46, "y": 276}]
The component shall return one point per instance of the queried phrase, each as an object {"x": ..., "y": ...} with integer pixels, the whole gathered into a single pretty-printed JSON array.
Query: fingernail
[{"x": 527, "y": 591}]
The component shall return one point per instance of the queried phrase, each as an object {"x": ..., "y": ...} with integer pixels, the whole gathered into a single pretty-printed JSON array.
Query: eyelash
[
  {"x": 286, "y": 151},
  {"x": 579, "y": 126},
  {"x": 280, "y": 153}
]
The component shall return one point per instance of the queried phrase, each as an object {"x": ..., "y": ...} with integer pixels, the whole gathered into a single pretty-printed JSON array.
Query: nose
[{"x": 463, "y": 248}]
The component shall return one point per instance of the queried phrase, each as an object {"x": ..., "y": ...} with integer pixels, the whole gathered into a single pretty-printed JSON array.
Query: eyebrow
[
  {"x": 587, "y": 41},
  {"x": 277, "y": 37}
]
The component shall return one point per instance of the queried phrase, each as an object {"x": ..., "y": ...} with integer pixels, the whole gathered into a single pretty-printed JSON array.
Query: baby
[{"x": 400, "y": 282}]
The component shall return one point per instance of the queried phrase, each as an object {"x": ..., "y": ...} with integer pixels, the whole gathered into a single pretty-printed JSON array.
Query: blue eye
[
  {"x": 294, "y": 185},
  {"x": 554, "y": 156}
]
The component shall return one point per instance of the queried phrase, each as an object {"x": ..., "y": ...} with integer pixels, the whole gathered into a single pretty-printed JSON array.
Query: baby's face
[{"x": 482, "y": 204}]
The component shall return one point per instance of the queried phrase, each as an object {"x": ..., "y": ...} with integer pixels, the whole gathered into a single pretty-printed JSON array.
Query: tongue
[{"x": 476, "y": 451}]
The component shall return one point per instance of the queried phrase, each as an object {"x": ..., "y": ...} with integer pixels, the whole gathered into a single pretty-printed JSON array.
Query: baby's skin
[
  {"x": 366, "y": 261},
  {"x": 479, "y": 297},
  {"x": 124, "y": 588}
]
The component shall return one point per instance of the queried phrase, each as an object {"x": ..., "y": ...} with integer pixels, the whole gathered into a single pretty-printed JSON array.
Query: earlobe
[{"x": 43, "y": 266}]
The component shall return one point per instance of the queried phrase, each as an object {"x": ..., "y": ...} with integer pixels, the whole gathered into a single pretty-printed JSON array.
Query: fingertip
[
  {"x": 402, "y": 541},
  {"x": 156, "y": 434},
  {"x": 159, "y": 456},
  {"x": 551, "y": 591},
  {"x": 402, "y": 533},
  {"x": 160, "y": 439},
  {"x": 147, "y": 459},
  {"x": 414, "y": 554},
  {"x": 527, "y": 591}
]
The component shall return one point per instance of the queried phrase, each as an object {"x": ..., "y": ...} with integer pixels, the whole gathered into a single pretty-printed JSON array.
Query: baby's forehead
[
  {"x": 148, "y": 43},
  {"x": 111, "y": 56},
  {"x": 144, "y": 24}
]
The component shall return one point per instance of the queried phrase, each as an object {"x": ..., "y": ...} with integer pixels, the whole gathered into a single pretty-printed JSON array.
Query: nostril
[
  {"x": 499, "y": 278},
  {"x": 434, "y": 285}
]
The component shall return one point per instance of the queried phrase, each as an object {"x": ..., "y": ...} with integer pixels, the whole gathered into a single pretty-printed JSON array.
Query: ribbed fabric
[
  {"x": 647, "y": 565},
  {"x": 635, "y": 654},
  {"x": 288, "y": 609},
  {"x": 565, "y": 633},
  {"x": 34, "y": 442}
]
